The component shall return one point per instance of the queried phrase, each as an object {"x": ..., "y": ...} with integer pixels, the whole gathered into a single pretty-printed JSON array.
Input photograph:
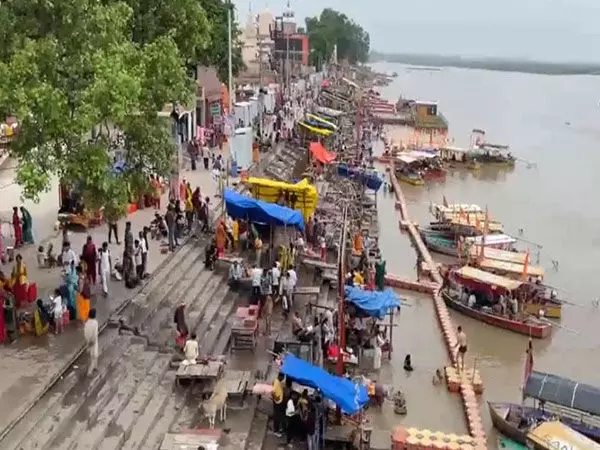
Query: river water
[{"x": 552, "y": 125}]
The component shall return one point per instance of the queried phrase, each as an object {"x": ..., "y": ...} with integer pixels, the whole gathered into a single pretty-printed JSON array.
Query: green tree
[
  {"x": 333, "y": 29},
  {"x": 74, "y": 71},
  {"x": 217, "y": 56}
]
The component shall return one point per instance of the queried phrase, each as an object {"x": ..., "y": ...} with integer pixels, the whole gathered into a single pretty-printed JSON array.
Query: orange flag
[{"x": 525, "y": 266}]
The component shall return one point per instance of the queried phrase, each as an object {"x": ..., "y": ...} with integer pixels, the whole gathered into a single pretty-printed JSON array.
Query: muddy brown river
[{"x": 552, "y": 126}]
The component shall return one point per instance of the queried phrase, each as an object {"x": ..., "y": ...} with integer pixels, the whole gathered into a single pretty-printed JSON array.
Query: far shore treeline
[{"x": 499, "y": 64}]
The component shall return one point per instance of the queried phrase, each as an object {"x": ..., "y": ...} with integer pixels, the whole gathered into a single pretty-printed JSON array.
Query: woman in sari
[
  {"x": 380, "y": 274},
  {"x": 41, "y": 318},
  {"x": 358, "y": 244},
  {"x": 16, "y": 222},
  {"x": 90, "y": 257},
  {"x": 18, "y": 281},
  {"x": 181, "y": 326},
  {"x": 83, "y": 295},
  {"x": 3, "y": 298},
  {"x": 71, "y": 283},
  {"x": 235, "y": 231},
  {"x": 157, "y": 191},
  {"x": 27, "y": 222},
  {"x": 221, "y": 238}
]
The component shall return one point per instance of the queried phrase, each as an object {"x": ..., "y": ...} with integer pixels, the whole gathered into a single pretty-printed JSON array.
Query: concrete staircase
[{"x": 132, "y": 401}]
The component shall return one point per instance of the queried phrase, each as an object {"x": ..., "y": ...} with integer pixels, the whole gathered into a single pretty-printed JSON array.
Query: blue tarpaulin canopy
[
  {"x": 242, "y": 207},
  {"x": 369, "y": 178},
  {"x": 374, "y": 303},
  {"x": 349, "y": 396}
]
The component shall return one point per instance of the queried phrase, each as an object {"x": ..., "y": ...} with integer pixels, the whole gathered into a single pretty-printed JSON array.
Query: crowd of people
[{"x": 297, "y": 415}]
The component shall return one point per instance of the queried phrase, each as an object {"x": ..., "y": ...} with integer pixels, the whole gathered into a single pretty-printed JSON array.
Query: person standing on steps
[
  {"x": 105, "y": 267},
  {"x": 144, "y": 246},
  {"x": 16, "y": 221},
  {"x": 113, "y": 229},
  {"x": 171, "y": 219},
  {"x": 128, "y": 252},
  {"x": 90, "y": 331}
]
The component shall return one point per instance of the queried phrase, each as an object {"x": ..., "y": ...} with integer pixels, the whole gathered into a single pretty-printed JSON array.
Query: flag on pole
[
  {"x": 525, "y": 266},
  {"x": 445, "y": 202}
]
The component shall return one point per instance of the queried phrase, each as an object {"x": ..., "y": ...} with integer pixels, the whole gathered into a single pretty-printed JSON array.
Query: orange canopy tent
[{"x": 318, "y": 152}]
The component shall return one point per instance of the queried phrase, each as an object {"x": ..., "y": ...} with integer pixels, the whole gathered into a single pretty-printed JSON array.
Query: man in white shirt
[
  {"x": 105, "y": 267},
  {"x": 235, "y": 274},
  {"x": 90, "y": 332},
  {"x": 69, "y": 256},
  {"x": 58, "y": 311},
  {"x": 144, "y": 246},
  {"x": 191, "y": 349},
  {"x": 276, "y": 274},
  {"x": 293, "y": 280},
  {"x": 472, "y": 300},
  {"x": 256, "y": 275},
  {"x": 137, "y": 258}
]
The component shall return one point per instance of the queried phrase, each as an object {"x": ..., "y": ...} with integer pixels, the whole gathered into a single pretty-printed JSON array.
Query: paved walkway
[{"x": 31, "y": 365}]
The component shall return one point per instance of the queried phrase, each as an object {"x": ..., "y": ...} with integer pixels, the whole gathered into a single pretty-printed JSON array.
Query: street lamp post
[{"x": 229, "y": 56}]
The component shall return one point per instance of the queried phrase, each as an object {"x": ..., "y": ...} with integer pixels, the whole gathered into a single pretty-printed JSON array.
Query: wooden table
[{"x": 199, "y": 372}]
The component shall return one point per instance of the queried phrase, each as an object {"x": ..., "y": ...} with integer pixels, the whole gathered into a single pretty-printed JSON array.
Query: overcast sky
[{"x": 554, "y": 30}]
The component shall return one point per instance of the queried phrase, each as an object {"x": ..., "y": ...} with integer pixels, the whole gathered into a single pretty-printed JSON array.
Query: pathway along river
[{"x": 554, "y": 122}]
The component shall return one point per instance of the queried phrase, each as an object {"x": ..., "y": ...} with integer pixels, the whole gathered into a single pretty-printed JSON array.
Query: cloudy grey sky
[{"x": 554, "y": 30}]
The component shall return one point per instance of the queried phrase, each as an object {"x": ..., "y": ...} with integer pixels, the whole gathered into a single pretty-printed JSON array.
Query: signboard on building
[{"x": 215, "y": 110}]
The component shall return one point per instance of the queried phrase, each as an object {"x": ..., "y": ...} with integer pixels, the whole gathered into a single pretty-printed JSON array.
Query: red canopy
[{"x": 320, "y": 154}]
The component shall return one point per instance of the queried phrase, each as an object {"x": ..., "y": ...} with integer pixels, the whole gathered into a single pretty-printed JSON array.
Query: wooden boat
[
  {"x": 439, "y": 244},
  {"x": 528, "y": 327},
  {"x": 490, "y": 286},
  {"x": 514, "y": 421}
]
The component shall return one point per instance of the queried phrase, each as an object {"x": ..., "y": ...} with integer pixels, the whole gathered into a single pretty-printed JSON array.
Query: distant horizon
[
  {"x": 503, "y": 64},
  {"x": 483, "y": 57}
]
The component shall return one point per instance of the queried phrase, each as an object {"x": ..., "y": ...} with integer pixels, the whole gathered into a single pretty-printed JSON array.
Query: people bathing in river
[
  {"x": 408, "y": 364},
  {"x": 437, "y": 378}
]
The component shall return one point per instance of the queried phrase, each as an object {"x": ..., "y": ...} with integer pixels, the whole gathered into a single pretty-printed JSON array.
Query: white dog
[{"x": 216, "y": 403}]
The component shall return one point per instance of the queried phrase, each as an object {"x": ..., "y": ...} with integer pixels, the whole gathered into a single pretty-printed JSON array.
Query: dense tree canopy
[
  {"x": 75, "y": 71},
  {"x": 332, "y": 28},
  {"x": 217, "y": 57}
]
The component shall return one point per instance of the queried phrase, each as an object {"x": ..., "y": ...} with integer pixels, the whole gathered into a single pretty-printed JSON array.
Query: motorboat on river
[
  {"x": 490, "y": 291},
  {"x": 575, "y": 404}
]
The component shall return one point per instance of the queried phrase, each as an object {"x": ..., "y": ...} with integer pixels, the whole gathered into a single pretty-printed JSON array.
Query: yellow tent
[
  {"x": 269, "y": 191},
  {"x": 320, "y": 131}
]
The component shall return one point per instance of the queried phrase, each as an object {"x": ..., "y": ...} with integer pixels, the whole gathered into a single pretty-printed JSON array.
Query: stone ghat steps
[
  {"x": 182, "y": 276},
  {"x": 118, "y": 417},
  {"x": 136, "y": 312},
  {"x": 180, "y": 409}
]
